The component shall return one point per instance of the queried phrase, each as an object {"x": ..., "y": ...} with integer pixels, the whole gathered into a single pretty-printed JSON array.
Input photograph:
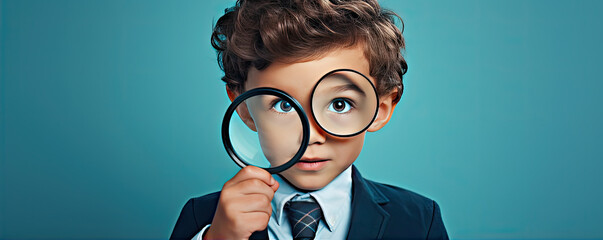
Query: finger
[
  {"x": 249, "y": 172},
  {"x": 253, "y": 186},
  {"x": 253, "y": 203},
  {"x": 275, "y": 186}
]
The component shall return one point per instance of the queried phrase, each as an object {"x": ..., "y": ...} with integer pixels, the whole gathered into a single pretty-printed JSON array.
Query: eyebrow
[{"x": 347, "y": 87}]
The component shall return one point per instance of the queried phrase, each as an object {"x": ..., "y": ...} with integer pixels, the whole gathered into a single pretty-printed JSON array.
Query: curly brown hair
[{"x": 259, "y": 32}]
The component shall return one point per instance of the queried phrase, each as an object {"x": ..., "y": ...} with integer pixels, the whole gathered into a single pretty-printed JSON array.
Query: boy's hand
[{"x": 244, "y": 205}]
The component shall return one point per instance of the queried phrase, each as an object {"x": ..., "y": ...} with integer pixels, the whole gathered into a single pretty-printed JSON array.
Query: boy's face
[{"x": 326, "y": 156}]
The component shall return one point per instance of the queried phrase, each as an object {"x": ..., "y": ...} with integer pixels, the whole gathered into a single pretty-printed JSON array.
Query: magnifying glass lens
[
  {"x": 265, "y": 131},
  {"x": 344, "y": 103}
]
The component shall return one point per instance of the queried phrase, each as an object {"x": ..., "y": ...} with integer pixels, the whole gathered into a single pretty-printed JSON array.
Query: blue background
[{"x": 110, "y": 115}]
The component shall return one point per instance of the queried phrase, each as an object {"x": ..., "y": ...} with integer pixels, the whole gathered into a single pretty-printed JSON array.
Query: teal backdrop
[{"x": 111, "y": 110}]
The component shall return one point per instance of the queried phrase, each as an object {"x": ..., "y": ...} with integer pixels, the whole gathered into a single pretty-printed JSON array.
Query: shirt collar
[{"x": 333, "y": 199}]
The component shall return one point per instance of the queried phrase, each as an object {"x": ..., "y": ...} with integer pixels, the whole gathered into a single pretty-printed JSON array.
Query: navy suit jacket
[{"x": 379, "y": 211}]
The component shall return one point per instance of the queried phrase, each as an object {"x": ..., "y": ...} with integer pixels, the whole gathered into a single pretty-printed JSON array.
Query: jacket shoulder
[
  {"x": 205, "y": 207},
  {"x": 196, "y": 214},
  {"x": 410, "y": 210},
  {"x": 398, "y": 195}
]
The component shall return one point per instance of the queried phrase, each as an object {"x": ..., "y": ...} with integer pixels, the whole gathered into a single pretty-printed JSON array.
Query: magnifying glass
[{"x": 269, "y": 130}]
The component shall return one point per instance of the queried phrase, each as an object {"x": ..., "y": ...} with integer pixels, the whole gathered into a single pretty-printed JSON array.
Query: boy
[{"x": 289, "y": 45}]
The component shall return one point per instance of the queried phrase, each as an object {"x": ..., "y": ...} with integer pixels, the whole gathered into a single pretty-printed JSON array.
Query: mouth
[{"x": 311, "y": 164}]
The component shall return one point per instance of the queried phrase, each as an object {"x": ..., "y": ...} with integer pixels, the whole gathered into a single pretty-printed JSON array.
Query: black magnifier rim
[
  {"x": 312, "y": 103},
  {"x": 263, "y": 91}
]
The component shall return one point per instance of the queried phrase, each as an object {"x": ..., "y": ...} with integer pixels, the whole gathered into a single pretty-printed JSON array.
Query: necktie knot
[{"x": 304, "y": 218}]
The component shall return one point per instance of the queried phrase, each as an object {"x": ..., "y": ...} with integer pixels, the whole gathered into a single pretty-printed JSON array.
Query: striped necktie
[{"x": 304, "y": 218}]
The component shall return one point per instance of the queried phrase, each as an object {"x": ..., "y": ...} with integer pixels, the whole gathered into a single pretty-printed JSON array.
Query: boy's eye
[
  {"x": 282, "y": 106},
  {"x": 340, "y": 106}
]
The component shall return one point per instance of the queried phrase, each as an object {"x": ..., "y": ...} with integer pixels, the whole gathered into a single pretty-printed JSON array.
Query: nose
[{"x": 317, "y": 135}]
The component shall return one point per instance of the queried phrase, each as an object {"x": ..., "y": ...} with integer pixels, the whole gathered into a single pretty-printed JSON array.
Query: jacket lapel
[{"x": 369, "y": 219}]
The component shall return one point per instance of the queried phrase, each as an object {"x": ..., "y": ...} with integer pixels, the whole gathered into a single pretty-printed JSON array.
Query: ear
[
  {"x": 385, "y": 111},
  {"x": 242, "y": 109}
]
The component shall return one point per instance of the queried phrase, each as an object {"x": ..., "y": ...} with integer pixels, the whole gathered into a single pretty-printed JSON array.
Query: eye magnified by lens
[{"x": 344, "y": 103}]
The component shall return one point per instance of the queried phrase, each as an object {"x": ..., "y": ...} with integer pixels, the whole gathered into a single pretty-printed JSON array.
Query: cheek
[
  {"x": 348, "y": 149},
  {"x": 279, "y": 142}
]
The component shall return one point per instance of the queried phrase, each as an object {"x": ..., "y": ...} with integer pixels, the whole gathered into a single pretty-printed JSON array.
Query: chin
[
  {"x": 310, "y": 187},
  {"x": 308, "y": 183}
]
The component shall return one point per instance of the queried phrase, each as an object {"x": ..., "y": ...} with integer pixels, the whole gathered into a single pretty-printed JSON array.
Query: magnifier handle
[{"x": 244, "y": 206}]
